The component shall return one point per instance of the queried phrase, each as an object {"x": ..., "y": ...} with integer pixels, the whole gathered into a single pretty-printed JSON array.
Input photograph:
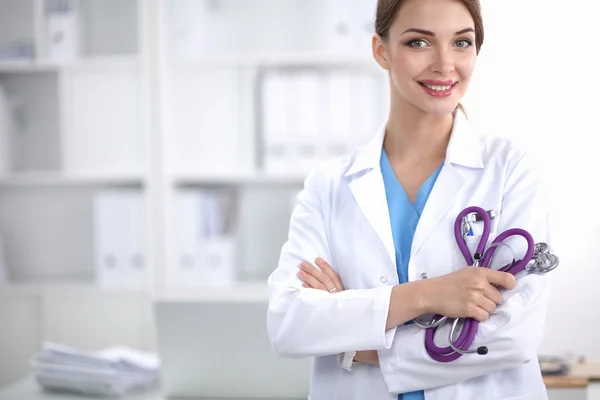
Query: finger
[
  {"x": 486, "y": 304},
  {"x": 306, "y": 285},
  {"x": 503, "y": 279},
  {"x": 311, "y": 281},
  {"x": 492, "y": 293},
  {"x": 317, "y": 274},
  {"x": 480, "y": 314},
  {"x": 326, "y": 268}
]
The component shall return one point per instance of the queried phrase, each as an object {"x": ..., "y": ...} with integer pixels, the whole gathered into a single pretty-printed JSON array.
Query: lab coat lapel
[
  {"x": 369, "y": 192},
  {"x": 368, "y": 189},
  {"x": 463, "y": 150},
  {"x": 441, "y": 199}
]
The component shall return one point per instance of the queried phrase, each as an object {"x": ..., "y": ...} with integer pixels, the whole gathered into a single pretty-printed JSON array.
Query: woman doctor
[{"x": 369, "y": 227}]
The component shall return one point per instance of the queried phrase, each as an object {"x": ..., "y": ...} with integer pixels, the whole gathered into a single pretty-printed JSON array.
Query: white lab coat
[{"x": 342, "y": 216}]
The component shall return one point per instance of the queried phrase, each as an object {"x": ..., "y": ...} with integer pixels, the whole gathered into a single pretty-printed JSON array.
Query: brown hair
[{"x": 387, "y": 10}]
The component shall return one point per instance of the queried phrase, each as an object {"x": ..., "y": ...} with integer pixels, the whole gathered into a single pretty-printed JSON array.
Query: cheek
[
  {"x": 466, "y": 67},
  {"x": 406, "y": 68}
]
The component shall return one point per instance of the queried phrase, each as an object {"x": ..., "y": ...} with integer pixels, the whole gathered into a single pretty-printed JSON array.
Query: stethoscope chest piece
[{"x": 542, "y": 261}]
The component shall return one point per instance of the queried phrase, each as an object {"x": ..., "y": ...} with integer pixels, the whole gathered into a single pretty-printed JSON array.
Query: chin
[{"x": 442, "y": 108}]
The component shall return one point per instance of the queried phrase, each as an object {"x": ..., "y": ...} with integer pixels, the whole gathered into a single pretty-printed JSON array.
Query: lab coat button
[{"x": 383, "y": 279}]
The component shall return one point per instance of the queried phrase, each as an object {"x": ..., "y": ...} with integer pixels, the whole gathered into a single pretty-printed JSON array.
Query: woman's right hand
[{"x": 466, "y": 293}]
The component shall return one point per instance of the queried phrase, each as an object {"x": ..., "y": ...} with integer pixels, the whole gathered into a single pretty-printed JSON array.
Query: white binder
[
  {"x": 186, "y": 270},
  {"x": 204, "y": 242},
  {"x": 365, "y": 106},
  {"x": 336, "y": 139},
  {"x": 120, "y": 259},
  {"x": 349, "y": 28},
  {"x": 3, "y": 267},
  {"x": 6, "y": 131},
  {"x": 62, "y": 19},
  {"x": 277, "y": 148},
  {"x": 218, "y": 241},
  {"x": 305, "y": 124}
]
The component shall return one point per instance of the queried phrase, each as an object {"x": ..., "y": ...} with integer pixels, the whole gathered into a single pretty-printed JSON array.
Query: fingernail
[{"x": 319, "y": 260}]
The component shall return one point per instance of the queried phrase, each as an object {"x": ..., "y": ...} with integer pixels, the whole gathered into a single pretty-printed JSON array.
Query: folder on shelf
[
  {"x": 348, "y": 30},
  {"x": 6, "y": 131},
  {"x": 338, "y": 116},
  {"x": 338, "y": 21},
  {"x": 205, "y": 247},
  {"x": 3, "y": 268},
  {"x": 62, "y": 30},
  {"x": 275, "y": 122},
  {"x": 305, "y": 126},
  {"x": 362, "y": 23},
  {"x": 219, "y": 240},
  {"x": 120, "y": 260},
  {"x": 186, "y": 271},
  {"x": 365, "y": 108}
]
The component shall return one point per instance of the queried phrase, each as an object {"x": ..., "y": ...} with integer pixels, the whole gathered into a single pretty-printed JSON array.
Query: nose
[{"x": 443, "y": 62}]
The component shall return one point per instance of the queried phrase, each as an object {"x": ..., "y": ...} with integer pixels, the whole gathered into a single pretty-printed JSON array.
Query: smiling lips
[{"x": 438, "y": 88}]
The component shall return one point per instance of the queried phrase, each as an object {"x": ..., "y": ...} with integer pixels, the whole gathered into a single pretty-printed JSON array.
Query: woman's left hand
[{"x": 323, "y": 278}]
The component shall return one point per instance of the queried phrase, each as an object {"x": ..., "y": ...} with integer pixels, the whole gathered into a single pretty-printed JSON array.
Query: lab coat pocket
[{"x": 473, "y": 241}]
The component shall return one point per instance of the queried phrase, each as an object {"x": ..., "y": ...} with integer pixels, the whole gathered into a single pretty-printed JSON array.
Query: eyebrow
[{"x": 429, "y": 33}]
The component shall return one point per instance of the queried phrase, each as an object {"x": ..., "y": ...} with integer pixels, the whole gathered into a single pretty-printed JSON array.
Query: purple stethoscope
[{"x": 537, "y": 259}]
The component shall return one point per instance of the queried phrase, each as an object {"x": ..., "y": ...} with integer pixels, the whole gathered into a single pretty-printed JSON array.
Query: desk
[
  {"x": 576, "y": 384},
  {"x": 28, "y": 389}
]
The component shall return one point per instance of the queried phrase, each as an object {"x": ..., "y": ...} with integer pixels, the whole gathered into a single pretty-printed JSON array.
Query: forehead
[{"x": 438, "y": 16}]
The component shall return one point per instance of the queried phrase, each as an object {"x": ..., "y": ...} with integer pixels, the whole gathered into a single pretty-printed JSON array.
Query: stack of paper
[{"x": 114, "y": 371}]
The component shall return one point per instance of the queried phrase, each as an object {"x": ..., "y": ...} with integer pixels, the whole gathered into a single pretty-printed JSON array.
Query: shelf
[
  {"x": 96, "y": 63},
  {"x": 278, "y": 60},
  {"x": 45, "y": 179},
  {"x": 26, "y": 66},
  {"x": 66, "y": 288},
  {"x": 238, "y": 179},
  {"x": 242, "y": 292},
  {"x": 105, "y": 62}
]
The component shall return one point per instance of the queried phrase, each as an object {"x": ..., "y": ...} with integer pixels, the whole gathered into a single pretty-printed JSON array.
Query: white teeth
[{"x": 439, "y": 88}]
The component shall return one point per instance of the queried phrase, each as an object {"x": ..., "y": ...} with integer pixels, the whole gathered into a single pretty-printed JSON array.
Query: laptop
[{"x": 221, "y": 350}]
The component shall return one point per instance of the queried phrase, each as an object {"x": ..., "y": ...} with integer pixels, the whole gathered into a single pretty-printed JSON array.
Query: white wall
[{"x": 535, "y": 84}]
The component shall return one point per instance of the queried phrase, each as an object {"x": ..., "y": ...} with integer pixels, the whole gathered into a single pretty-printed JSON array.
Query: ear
[{"x": 379, "y": 52}]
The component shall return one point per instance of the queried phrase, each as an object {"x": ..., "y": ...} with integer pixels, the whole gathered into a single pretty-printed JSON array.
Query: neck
[{"x": 413, "y": 135}]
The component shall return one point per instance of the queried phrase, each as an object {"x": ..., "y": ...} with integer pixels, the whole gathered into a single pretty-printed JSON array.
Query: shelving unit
[
  {"x": 165, "y": 100},
  {"x": 76, "y": 129},
  {"x": 116, "y": 140},
  {"x": 55, "y": 179}
]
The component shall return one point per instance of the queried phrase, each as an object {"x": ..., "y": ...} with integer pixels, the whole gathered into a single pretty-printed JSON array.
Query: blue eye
[
  {"x": 465, "y": 43},
  {"x": 417, "y": 43}
]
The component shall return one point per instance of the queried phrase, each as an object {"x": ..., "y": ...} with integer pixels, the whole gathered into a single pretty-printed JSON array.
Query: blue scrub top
[{"x": 404, "y": 217}]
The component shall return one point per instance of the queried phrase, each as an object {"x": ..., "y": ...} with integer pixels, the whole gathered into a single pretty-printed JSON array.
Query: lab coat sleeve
[
  {"x": 308, "y": 322},
  {"x": 513, "y": 333}
]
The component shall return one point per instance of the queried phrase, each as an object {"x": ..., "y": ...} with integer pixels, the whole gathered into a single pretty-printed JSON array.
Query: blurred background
[{"x": 154, "y": 149}]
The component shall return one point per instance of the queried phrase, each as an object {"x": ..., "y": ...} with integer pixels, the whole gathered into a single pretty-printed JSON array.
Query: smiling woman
[
  {"x": 369, "y": 227},
  {"x": 415, "y": 45}
]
